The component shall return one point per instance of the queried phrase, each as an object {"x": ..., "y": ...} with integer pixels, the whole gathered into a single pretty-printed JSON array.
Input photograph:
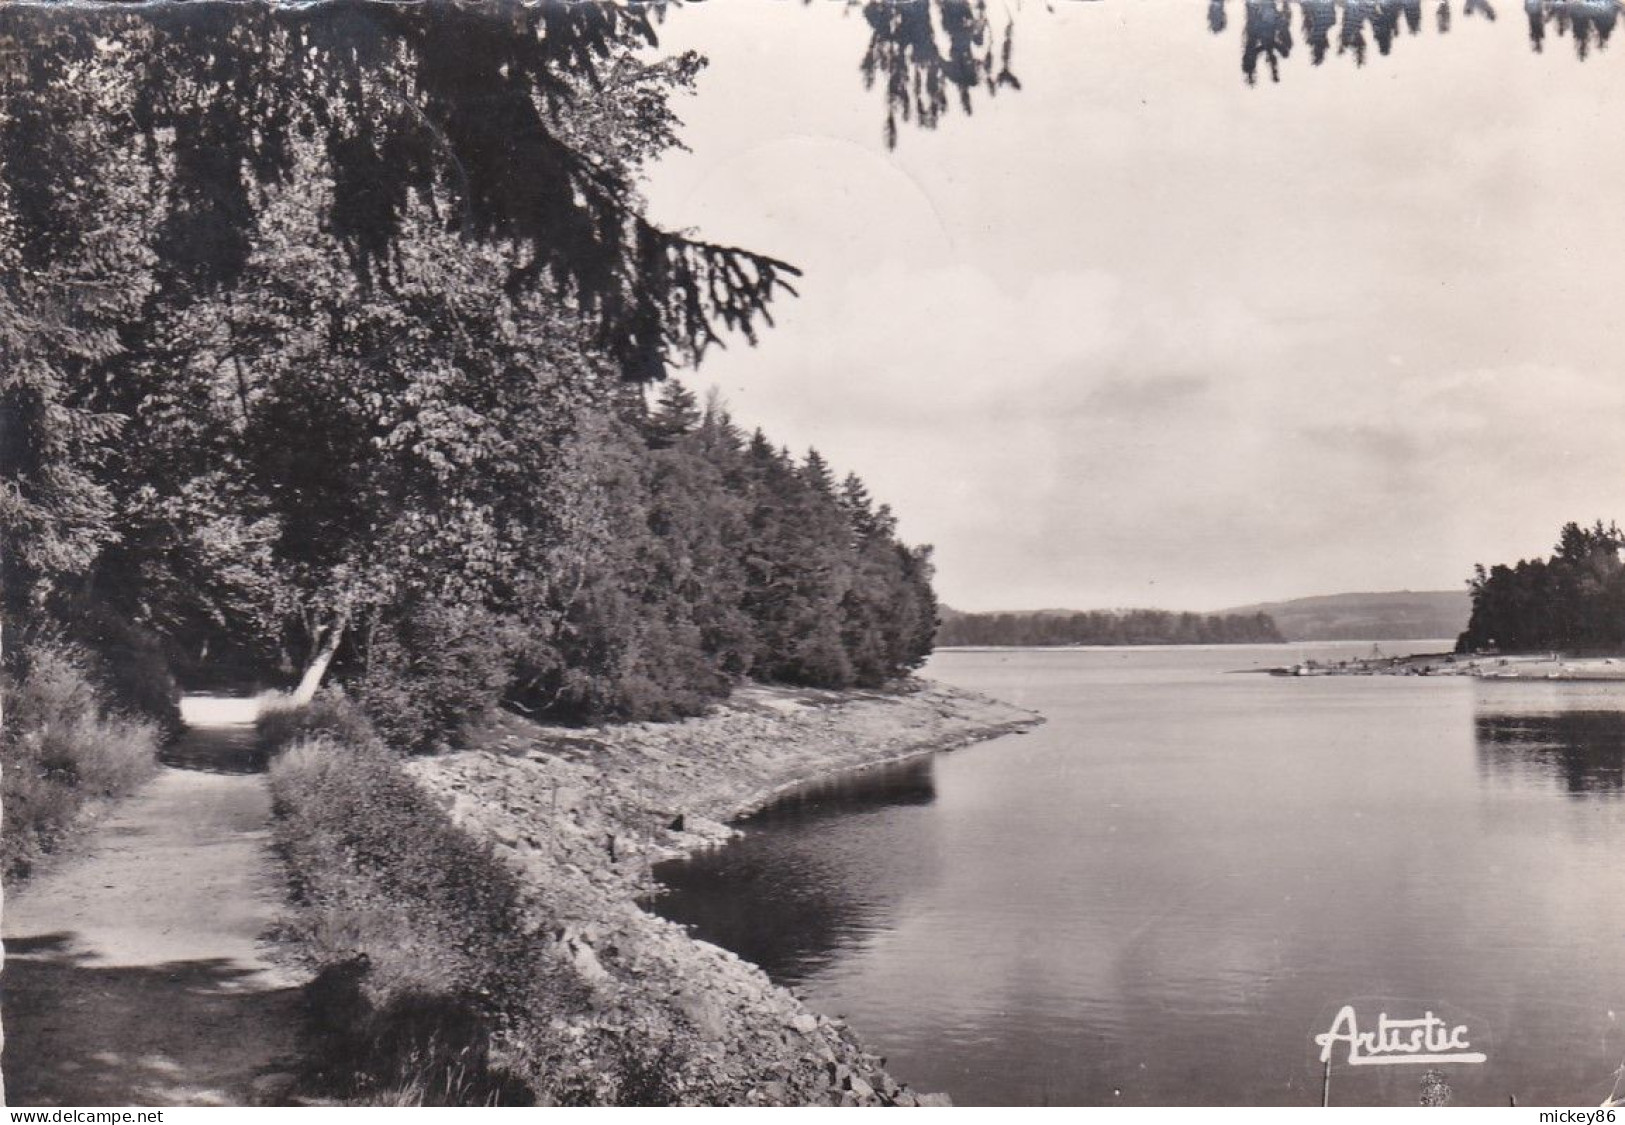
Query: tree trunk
[{"x": 327, "y": 645}]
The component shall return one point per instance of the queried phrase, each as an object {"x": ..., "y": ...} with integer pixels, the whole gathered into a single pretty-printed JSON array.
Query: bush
[
  {"x": 433, "y": 671},
  {"x": 418, "y": 932},
  {"x": 434, "y": 984},
  {"x": 409, "y": 1049},
  {"x": 616, "y": 659},
  {"x": 62, "y": 746},
  {"x": 282, "y": 723},
  {"x": 359, "y": 834}
]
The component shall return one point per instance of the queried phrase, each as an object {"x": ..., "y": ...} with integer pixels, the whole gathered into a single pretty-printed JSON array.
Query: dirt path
[{"x": 135, "y": 972}]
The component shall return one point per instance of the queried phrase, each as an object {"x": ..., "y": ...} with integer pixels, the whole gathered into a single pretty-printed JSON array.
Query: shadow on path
[
  {"x": 228, "y": 750},
  {"x": 219, "y": 736},
  {"x": 163, "y": 1034}
]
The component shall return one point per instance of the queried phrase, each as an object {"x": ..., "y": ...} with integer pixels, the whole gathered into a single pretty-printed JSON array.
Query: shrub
[
  {"x": 432, "y": 671},
  {"x": 361, "y": 835},
  {"x": 434, "y": 986},
  {"x": 62, "y": 747},
  {"x": 617, "y": 660},
  {"x": 283, "y": 723},
  {"x": 409, "y": 1049},
  {"x": 417, "y": 930}
]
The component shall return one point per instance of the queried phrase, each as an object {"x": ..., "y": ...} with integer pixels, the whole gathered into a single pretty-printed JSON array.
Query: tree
[
  {"x": 1574, "y": 599},
  {"x": 368, "y": 298},
  {"x": 542, "y": 115},
  {"x": 927, "y": 56},
  {"x": 797, "y": 571},
  {"x": 815, "y": 471},
  {"x": 1102, "y": 627},
  {"x": 73, "y": 270},
  {"x": 675, "y": 415},
  {"x": 322, "y": 268}
]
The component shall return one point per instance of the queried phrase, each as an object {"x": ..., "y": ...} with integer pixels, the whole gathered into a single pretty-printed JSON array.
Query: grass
[
  {"x": 436, "y": 984},
  {"x": 417, "y": 931},
  {"x": 63, "y": 747}
]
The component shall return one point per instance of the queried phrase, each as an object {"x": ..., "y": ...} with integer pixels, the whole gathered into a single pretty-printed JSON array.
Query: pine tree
[
  {"x": 675, "y": 415},
  {"x": 815, "y": 471}
]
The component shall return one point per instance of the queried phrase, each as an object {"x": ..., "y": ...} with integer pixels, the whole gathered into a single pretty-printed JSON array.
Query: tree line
[
  {"x": 1572, "y": 600},
  {"x": 327, "y": 337},
  {"x": 1106, "y": 627}
]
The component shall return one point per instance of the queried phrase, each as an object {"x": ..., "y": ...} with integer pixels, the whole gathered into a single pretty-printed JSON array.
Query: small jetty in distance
[{"x": 1483, "y": 666}]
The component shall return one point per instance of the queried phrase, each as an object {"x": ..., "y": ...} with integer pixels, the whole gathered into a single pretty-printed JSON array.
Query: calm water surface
[{"x": 1164, "y": 893}]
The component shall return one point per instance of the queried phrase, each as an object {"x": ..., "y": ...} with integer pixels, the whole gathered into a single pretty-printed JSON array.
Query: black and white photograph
[{"x": 790, "y": 553}]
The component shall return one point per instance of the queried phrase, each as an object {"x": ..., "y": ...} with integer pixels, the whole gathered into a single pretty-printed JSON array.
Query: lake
[{"x": 1162, "y": 895}]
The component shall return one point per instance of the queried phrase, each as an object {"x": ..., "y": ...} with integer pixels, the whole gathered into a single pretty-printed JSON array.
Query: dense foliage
[
  {"x": 1574, "y": 599},
  {"x": 324, "y": 334},
  {"x": 1107, "y": 627}
]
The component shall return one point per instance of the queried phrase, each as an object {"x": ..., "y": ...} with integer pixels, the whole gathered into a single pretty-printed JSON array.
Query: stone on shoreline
[{"x": 803, "y": 1022}]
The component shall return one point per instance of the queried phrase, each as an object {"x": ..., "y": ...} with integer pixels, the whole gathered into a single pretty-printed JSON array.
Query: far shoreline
[{"x": 1219, "y": 647}]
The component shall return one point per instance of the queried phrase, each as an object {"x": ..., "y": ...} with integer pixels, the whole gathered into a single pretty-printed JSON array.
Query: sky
[{"x": 1139, "y": 334}]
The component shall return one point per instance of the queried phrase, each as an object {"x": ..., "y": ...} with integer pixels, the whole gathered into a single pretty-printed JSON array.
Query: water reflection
[
  {"x": 1352, "y": 26},
  {"x": 789, "y": 908},
  {"x": 906, "y": 783},
  {"x": 1161, "y": 895},
  {"x": 1581, "y": 751}
]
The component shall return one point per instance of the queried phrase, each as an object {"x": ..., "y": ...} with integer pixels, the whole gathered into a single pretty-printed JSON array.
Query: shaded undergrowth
[
  {"x": 64, "y": 744},
  {"x": 417, "y": 932}
]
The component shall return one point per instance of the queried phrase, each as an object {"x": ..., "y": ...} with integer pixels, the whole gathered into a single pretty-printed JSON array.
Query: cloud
[
  {"x": 1134, "y": 399},
  {"x": 1167, "y": 339},
  {"x": 1374, "y": 447}
]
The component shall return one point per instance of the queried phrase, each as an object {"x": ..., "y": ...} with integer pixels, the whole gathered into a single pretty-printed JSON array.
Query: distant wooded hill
[
  {"x": 1394, "y": 616},
  {"x": 1103, "y": 627}
]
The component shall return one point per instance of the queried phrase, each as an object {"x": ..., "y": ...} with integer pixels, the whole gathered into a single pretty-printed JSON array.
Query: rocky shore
[{"x": 584, "y": 813}]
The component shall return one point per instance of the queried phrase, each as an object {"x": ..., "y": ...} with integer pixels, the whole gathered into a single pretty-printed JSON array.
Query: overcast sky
[{"x": 1139, "y": 334}]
